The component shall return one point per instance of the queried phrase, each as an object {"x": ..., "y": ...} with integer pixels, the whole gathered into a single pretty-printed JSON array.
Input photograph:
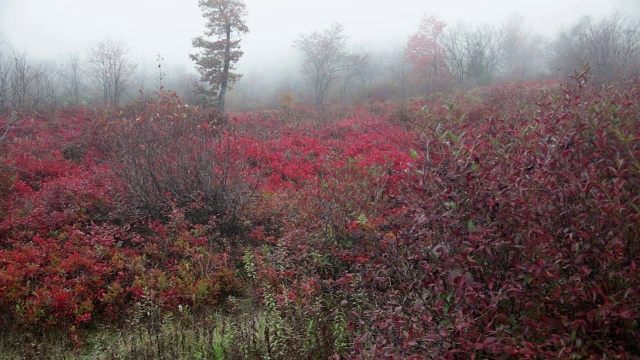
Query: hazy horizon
[{"x": 50, "y": 28}]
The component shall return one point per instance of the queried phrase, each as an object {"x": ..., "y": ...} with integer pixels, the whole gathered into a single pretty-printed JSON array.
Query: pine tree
[{"x": 220, "y": 49}]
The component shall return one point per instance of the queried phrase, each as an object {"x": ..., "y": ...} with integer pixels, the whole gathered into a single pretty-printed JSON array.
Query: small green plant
[{"x": 362, "y": 220}]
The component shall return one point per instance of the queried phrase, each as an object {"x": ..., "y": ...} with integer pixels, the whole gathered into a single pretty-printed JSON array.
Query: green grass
[{"x": 243, "y": 331}]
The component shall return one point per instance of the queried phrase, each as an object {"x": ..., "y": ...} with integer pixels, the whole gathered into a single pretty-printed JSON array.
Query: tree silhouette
[{"x": 326, "y": 59}]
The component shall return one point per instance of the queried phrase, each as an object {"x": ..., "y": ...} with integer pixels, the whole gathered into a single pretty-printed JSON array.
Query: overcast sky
[{"x": 49, "y": 28}]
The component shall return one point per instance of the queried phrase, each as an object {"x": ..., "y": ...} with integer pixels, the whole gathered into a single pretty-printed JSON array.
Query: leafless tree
[
  {"x": 45, "y": 90},
  {"x": 493, "y": 43},
  {"x": 23, "y": 77},
  {"x": 143, "y": 79},
  {"x": 110, "y": 69},
  {"x": 358, "y": 69},
  {"x": 610, "y": 46},
  {"x": 326, "y": 59},
  {"x": 26, "y": 86},
  {"x": 71, "y": 77},
  {"x": 31, "y": 86},
  {"x": 398, "y": 72},
  {"x": 523, "y": 49},
  {"x": 371, "y": 70},
  {"x": 367, "y": 83},
  {"x": 456, "y": 56},
  {"x": 473, "y": 53},
  {"x": 6, "y": 66}
]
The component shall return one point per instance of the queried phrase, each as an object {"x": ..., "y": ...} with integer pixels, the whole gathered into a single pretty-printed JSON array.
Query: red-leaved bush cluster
[
  {"x": 497, "y": 223},
  {"x": 520, "y": 235},
  {"x": 76, "y": 244},
  {"x": 510, "y": 231}
]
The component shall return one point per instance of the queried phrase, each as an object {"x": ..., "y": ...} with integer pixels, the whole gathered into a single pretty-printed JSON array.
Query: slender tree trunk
[
  {"x": 225, "y": 70},
  {"x": 76, "y": 89}
]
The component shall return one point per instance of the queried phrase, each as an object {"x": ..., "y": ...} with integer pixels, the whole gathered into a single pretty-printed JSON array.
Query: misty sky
[{"x": 50, "y": 28}]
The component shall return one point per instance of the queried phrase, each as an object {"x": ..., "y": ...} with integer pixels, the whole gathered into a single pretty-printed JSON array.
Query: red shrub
[
  {"x": 530, "y": 227},
  {"x": 499, "y": 223}
]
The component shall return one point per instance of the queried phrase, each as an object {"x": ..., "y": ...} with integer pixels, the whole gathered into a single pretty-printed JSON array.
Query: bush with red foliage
[
  {"x": 518, "y": 238},
  {"x": 510, "y": 231},
  {"x": 499, "y": 223},
  {"x": 168, "y": 153},
  {"x": 70, "y": 252}
]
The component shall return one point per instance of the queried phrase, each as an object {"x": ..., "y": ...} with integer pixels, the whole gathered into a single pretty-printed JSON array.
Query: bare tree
[
  {"x": 45, "y": 91},
  {"x": 6, "y": 66},
  {"x": 485, "y": 52},
  {"x": 25, "y": 86},
  {"x": 326, "y": 59},
  {"x": 23, "y": 77},
  {"x": 370, "y": 72},
  {"x": 366, "y": 85},
  {"x": 473, "y": 53},
  {"x": 72, "y": 77},
  {"x": 456, "y": 57},
  {"x": 110, "y": 69},
  {"x": 218, "y": 57},
  {"x": 144, "y": 77},
  {"x": 358, "y": 69},
  {"x": 611, "y": 47},
  {"x": 398, "y": 71},
  {"x": 614, "y": 49},
  {"x": 523, "y": 49},
  {"x": 32, "y": 86}
]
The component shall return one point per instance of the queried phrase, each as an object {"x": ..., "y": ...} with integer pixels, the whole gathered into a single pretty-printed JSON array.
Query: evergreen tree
[{"x": 219, "y": 48}]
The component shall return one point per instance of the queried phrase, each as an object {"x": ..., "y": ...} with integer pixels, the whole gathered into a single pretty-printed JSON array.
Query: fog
[{"x": 47, "y": 29}]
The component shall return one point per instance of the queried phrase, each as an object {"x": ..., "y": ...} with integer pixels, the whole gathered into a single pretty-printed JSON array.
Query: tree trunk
[{"x": 225, "y": 70}]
